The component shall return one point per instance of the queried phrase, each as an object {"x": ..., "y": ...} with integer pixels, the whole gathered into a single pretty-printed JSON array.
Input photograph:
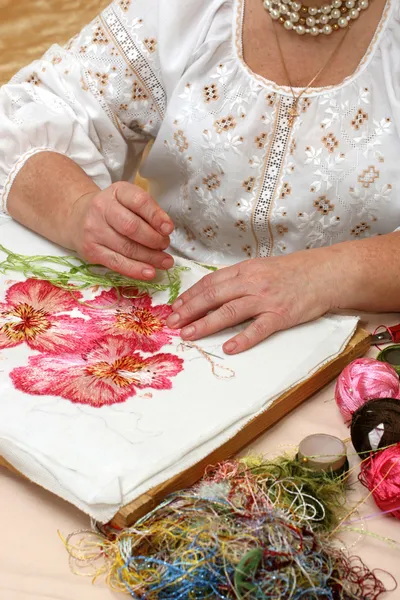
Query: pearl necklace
[{"x": 312, "y": 20}]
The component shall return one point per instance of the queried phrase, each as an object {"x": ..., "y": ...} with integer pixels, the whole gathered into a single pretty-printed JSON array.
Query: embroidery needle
[
  {"x": 205, "y": 351},
  {"x": 214, "y": 355}
]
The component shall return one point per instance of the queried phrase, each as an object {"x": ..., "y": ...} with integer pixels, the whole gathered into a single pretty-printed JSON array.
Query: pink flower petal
[
  {"x": 108, "y": 373},
  {"x": 159, "y": 369},
  {"x": 134, "y": 319},
  {"x": 42, "y": 295},
  {"x": 66, "y": 334},
  {"x": 7, "y": 342},
  {"x": 66, "y": 376},
  {"x": 28, "y": 320}
]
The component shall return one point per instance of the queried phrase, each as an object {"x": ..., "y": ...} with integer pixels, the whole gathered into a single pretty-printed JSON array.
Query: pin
[{"x": 323, "y": 452}]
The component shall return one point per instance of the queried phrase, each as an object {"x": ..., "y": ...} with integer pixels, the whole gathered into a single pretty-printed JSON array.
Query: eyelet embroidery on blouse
[
  {"x": 330, "y": 142},
  {"x": 368, "y": 177},
  {"x": 271, "y": 98},
  {"x": 323, "y": 205},
  {"x": 275, "y": 158},
  {"x": 360, "y": 118},
  {"x": 99, "y": 36},
  {"x": 286, "y": 191},
  {"x": 34, "y": 79},
  {"x": 225, "y": 124},
  {"x": 210, "y": 93},
  {"x": 135, "y": 58},
  {"x": 151, "y": 44},
  {"x": 248, "y": 184},
  {"x": 261, "y": 140},
  {"x": 124, "y": 4}
]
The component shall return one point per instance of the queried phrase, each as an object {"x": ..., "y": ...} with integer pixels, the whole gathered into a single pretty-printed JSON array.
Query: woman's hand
[
  {"x": 277, "y": 293},
  {"x": 122, "y": 228}
]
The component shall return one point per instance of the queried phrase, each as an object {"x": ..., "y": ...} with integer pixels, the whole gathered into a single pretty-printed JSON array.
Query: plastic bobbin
[
  {"x": 322, "y": 452},
  {"x": 391, "y": 355}
]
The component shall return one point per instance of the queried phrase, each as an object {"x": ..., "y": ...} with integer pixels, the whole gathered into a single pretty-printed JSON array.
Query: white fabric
[
  {"x": 102, "y": 458},
  {"x": 236, "y": 180}
]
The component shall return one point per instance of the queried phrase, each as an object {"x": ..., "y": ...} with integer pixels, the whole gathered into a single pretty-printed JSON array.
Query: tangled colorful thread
[{"x": 251, "y": 530}]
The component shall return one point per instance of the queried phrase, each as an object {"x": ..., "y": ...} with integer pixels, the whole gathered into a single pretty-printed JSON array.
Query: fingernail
[
  {"x": 230, "y": 347},
  {"x": 188, "y": 332},
  {"x": 173, "y": 320},
  {"x": 177, "y": 304},
  {"x": 148, "y": 273},
  {"x": 167, "y": 263},
  {"x": 165, "y": 244},
  {"x": 166, "y": 228}
]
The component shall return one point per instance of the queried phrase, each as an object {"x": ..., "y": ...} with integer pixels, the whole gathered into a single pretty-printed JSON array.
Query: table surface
[{"x": 34, "y": 564}]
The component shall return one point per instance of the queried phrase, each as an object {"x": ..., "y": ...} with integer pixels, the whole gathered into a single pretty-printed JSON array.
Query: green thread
[
  {"x": 245, "y": 573},
  {"x": 79, "y": 275},
  {"x": 208, "y": 267},
  {"x": 323, "y": 493}
]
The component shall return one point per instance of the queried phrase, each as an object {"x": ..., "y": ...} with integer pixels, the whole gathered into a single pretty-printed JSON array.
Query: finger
[
  {"x": 131, "y": 225},
  {"x": 211, "y": 298},
  {"x": 121, "y": 264},
  {"x": 255, "y": 333},
  {"x": 140, "y": 202},
  {"x": 134, "y": 251},
  {"x": 227, "y": 315},
  {"x": 208, "y": 281}
]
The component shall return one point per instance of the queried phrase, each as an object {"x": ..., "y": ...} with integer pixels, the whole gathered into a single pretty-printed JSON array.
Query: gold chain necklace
[{"x": 293, "y": 112}]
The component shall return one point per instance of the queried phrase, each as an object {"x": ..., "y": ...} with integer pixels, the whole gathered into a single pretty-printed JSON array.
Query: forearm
[
  {"x": 366, "y": 274},
  {"x": 44, "y": 192}
]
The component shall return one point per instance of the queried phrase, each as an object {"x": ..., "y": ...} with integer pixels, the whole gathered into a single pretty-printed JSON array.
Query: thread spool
[
  {"x": 391, "y": 355},
  {"x": 376, "y": 425},
  {"x": 362, "y": 380},
  {"x": 321, "y": 452}
]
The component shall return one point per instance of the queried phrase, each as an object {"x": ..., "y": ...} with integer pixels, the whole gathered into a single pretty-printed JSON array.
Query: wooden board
[{"x": 358, "y": 346}]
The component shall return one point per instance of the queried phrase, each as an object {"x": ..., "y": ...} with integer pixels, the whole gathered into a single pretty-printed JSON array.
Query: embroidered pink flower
[
  {"x": 133, "y": 318},
  {"x": 108, "y": 373},
  {"x": 31, "y": 314}
]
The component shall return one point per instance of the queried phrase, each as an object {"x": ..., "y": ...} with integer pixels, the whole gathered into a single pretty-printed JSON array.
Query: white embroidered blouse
[{"x": 236, "y": 179}]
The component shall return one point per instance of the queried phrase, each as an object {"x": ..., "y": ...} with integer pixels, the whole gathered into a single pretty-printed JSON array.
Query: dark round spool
[
  {"x": 391, "y": 356},
  {"x": 384, "y": 411}
]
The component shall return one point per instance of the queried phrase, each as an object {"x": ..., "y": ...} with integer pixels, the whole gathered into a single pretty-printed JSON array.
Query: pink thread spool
[
  {"x": 382, "y": 471},
  {"x": 365, "y": 379}
]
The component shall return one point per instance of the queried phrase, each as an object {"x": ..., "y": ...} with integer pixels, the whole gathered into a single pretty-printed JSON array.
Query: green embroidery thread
[
  {"x": 208, "y": 267},
  {"x": 79, "y": 275}
]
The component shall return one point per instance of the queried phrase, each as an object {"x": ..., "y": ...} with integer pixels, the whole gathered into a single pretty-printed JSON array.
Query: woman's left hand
[{"x": 276, "y": 293}]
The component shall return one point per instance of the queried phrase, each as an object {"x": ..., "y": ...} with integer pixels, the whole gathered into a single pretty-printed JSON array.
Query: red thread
[{"x": 381, "y": 475}]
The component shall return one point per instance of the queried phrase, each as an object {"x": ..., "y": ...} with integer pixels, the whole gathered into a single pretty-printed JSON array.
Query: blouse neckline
[{"x": 237, "y": 39}]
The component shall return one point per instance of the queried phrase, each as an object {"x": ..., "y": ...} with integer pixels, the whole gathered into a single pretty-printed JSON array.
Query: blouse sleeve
[{"x": 101, "y": 98}]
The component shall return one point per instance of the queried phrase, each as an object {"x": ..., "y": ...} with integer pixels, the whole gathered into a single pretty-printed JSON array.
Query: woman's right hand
[{"x": 122, "y": 228}]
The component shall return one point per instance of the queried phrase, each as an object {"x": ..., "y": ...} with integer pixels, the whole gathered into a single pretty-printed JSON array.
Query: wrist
[
  {"x": 346, "y": 274},
  {"x": 74, "y": 217}
]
